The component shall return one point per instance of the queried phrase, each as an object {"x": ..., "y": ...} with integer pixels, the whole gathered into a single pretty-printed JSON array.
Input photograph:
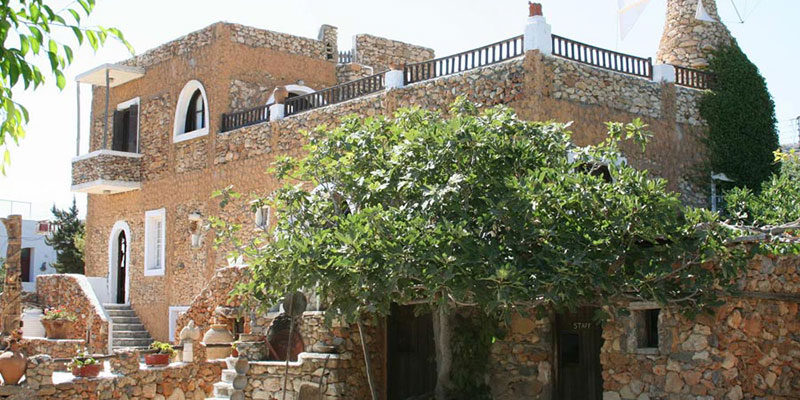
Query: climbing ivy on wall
[{"x": 741, "y": 118}]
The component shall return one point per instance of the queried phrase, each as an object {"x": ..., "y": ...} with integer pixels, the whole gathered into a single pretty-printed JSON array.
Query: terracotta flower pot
[
  {"x": 87, "y": 371},
  {"x": 156, "y": 359},
  {"x": 58, "y": 328},
  {"x": 12, "y": 367}
]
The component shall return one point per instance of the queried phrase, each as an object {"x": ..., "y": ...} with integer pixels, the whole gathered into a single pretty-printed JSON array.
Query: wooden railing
[
  {"x": 345, "y": 57},
  {"x": 693, "y": 78},
  {"x": 335, "y": 94},
  {"x": 602, "y": 58},
  {"x": 244, "y": 118},
  {"x": 471, "y": 59}
]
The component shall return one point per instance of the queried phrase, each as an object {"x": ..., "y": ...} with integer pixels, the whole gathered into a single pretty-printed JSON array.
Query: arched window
[
  {"x": 191, "y": 114},
  {"x": 196, "y": 112}
]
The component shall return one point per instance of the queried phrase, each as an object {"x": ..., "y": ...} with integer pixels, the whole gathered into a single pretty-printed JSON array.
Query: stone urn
[
  {"x": 280, "y": 94},
  {"x": 58, "y": 328},
  {"x": 12, "y": 366},
  {"x": 218, "y": 334}
]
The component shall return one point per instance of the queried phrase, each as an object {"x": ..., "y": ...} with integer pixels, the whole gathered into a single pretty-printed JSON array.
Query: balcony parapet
[{"x": 106, "y": 172}]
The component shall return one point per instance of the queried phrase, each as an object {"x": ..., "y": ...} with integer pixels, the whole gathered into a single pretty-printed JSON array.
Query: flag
[
  {"x": 702, "y": 14},
  {"x": 629, "y": 12}
]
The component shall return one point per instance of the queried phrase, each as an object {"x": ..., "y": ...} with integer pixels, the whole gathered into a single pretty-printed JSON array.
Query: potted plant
[
  {"x": 84, "y": 366},
  {"x": 58, "y": 323},
  {"x": 162, "y": 355},
  {"x": 234, "y": 350}
]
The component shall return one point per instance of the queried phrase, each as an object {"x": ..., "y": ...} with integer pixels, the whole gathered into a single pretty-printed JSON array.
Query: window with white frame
[
  {"x": 175, "y": 312},
  {"x": 154, "y": 239},
  {"x": 191, "y": 115}
]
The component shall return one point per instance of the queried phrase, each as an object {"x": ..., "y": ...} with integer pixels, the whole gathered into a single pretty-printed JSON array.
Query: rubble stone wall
[
  {"x": 749, "y": 347},
  {"x": 56, "y": 348},
  {"x": 112, "y": 167},
  {"x": 73, "y": 292},
  {"x": 352, "y": 71},
  {"x": 216, "y": 293},
  {"x": 380, "y": 53}
]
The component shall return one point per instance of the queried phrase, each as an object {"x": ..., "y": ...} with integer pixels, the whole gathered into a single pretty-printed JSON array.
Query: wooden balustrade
[
  {"x": 244, "y": 118},
  {"x": 471, "y": 59},
  {"x": 602, "y": 58},
  {"x": 693, "y": 78},
  {"x": 335, "y": 94}
]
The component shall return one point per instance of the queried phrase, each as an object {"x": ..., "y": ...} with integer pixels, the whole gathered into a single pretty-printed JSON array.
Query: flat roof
[{"x": 117, "y": 75}]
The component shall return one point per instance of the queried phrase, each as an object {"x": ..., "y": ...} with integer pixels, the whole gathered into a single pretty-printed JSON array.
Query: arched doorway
[
  {"x": 119, "y": 263},
  {"x": 122, "y": 263}
]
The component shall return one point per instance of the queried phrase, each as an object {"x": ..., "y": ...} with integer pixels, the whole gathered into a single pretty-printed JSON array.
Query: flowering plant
[
  {"x": 81, "y": 360},
  {"x": 58, "y": 313}
]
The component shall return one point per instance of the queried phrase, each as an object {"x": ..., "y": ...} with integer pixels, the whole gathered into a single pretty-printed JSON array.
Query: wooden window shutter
[
  {"x": 117, "y": 141},
  {"x": 133, "y": 129}
]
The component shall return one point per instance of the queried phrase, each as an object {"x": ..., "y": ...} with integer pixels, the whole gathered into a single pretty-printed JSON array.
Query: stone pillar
[
  {"x": 329, "y": 36},
  {"x": 538, "y": 33},
  {"x": 11, "y": 298},
  {"x": 394, "y": 78},
  {"x": 687, "y": 41},
  {"x": 39, "y": 372},
  {"x": 125, "y": 362},
  {"x": 663, "y": 73}
]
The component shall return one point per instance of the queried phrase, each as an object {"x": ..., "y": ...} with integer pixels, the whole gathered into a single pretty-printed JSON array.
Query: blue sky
[{"x": 40, "y": 169}]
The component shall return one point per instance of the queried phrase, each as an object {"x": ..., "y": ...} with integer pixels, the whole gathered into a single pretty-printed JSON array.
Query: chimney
[{"x": 534, "y": 9}]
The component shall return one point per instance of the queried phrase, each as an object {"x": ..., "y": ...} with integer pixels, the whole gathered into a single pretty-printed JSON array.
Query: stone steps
[
  {"x": 127, "y": 330},
  {"x": 234, "y": 380}
]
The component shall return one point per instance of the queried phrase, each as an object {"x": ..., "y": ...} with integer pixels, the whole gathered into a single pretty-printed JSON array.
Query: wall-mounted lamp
[{"x": 194, "y": 228}]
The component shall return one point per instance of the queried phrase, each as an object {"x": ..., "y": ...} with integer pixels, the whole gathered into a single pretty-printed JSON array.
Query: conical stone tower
[{"x": 687, "y": 41}]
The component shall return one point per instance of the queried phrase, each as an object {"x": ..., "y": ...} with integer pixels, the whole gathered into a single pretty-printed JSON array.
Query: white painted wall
[
  {"x": 43, "y": 256},
  {"x": 100, "y": 288}
]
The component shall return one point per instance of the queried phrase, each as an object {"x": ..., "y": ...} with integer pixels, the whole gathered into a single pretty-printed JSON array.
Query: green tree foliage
[
  {"x": 481, "y": 209},
  {"x": 778, "y": 201},
  {"x": 29, "y": 34},
  {"x": 741, "y": 118},
  {"x": 69, "y": 257}
]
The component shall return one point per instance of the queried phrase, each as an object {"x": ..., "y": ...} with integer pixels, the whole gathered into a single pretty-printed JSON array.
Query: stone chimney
[
  {"x": 329, "y": 36},
  {"x": 687, "y": 41}
]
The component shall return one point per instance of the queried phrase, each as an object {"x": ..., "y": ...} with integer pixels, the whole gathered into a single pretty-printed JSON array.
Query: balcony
[{"x": 107, "y": 172}]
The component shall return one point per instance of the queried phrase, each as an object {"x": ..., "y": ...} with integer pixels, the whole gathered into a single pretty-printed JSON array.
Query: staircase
[
  {"x": 234, "y": 380},
  {"x": 128, "y": 331}
]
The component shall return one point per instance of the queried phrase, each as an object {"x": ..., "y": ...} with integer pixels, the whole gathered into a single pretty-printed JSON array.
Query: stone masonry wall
[
  {"x": 380, "y": 53},
  {"x": 56, "y": 348},
  {"x": 175, "y": 176},
  {"x": 352, "y": 71},
  {"x": 108, "y": 167},
  {"x": 521, "y": 364},
  {"x": 215, "y": 294},
  {"x": 749, "y": 348},
  {"x": 73, "y": 292},
  {"x": 687, "y": 41}
]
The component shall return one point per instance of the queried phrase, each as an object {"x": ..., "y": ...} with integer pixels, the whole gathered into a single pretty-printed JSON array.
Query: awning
[{"x": 117, "y": 75}]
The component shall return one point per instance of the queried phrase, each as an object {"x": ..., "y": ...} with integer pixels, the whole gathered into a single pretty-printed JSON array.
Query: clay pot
[
  {"x": 218, "y": 334},
  {"x": 12, "y": 367},
  {"x": 156, "y": 359},
  {"x": 278, "y": 342},
  {"x": 58, "y": 328},
  {"x": 280, "y": 94},
  {"x": 87, "y": 371}
]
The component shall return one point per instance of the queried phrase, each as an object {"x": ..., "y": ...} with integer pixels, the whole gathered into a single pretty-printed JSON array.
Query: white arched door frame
[
  {"x": 296, "y": 89},
  {"x": 119, "y": 226}
]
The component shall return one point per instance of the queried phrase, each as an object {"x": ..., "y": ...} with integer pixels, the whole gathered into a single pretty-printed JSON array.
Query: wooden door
[
  {"x": 26, "y": 260},
  {"x": 411, "y": 355},
  {"x": 578, "y": 343}
]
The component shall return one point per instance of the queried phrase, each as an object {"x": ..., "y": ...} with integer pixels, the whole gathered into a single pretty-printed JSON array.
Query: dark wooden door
[
  {"x": 578, "y": 343},
  {"x": 122, "y": 263},
  {"x": 25, "y": 270},
  {"x": 411, "y": 355}
]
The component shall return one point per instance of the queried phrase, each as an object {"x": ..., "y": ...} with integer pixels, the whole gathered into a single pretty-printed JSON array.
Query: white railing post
[
  {"x": 538, "y": 33},
  {"x": 394, "y": 77},
  {"x": 663, "y": 73}
]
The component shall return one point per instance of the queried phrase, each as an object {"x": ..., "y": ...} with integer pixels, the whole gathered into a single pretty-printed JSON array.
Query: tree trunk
[
  {"x": 368, "y": 365},
  {"x": 442, "y": 332}
]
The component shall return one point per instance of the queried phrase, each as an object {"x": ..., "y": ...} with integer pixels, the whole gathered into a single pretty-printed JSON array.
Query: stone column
[
  {"x": 11, "y": 299},
  {"x": 687, "y": 41},
  {"x": 538, "y": 33}
]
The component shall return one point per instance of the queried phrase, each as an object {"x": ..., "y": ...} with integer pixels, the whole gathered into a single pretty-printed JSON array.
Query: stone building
[{"x": 208, "y": 110}]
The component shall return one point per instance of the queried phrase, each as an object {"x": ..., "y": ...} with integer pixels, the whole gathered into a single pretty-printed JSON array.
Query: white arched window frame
[
  {"x": 119, "y": 226},
  {"x": 293, "y": 89},
  {"x": 184, "y": 100}
]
